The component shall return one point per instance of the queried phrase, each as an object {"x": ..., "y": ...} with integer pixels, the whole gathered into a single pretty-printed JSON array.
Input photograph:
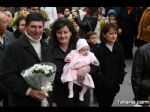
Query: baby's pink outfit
[{"x": 78, "y": 61}]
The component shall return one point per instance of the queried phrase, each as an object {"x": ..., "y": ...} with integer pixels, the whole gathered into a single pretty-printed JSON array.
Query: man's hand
[
  {"x": 82, "y": 72},
  {"x": 37, "y": 94}
]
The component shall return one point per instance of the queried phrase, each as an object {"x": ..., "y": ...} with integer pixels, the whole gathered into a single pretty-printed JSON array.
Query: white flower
[{"x": 39, "y": 75}]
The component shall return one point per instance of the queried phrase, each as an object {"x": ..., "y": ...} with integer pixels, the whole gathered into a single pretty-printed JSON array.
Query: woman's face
[
  {"x": 22, "y": 25},
  {"x": 111, "y": 36},
  {"x": 63, "y": 35},
  {"x": 8, "y": 16}
]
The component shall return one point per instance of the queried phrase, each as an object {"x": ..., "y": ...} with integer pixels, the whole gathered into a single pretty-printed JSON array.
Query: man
[
  {"x": 140, "y": 76},
  {"x": 34, "y": 9},
  {"x": 28, "y": 50},
  {"x": 6, "y": 37},
  {"x": 44, "y": 14}
]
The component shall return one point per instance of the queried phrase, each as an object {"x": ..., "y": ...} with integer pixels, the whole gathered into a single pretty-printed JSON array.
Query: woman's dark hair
[
  {"x": 57, "y": 25},
  {"x": 106, "y": 29},
  {"x": 34, "y": 17},
  {"x": 92, "y": 11},
  {"x": 18, "y": 21}
]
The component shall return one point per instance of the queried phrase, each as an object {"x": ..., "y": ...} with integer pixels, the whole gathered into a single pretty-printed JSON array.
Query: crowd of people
[{"x": 88, "y": 45}]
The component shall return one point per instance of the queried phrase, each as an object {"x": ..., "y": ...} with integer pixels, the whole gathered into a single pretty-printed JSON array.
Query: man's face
[
  {"x": 67, "y": 12},
  {"x": 3, "y": 24},
  {"x": 35, "y": 29},
  {"x": 35, "y": 9}
]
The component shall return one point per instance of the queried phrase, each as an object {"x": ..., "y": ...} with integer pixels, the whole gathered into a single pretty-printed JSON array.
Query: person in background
[
  {"x": 112, "y": 16},
  {"x": 6, "y": 38},
  {"x": 75, "y": 13},
  {"x": 2, "y": 9},
  {"x": 67, "y": 13},
  {"x": 112, "y": 64},
  {"x": 52, "y": 14},
  {"x": 63, "y": 40},
  {"x": 143, "y": 36},
  {"x": 100, "y": 22},
  {"x": 20, "y": 27},
  {"x": 34, "y": 9},
  {"x": 88, "y": 23},
  {"x": 126, "y": 21},
  {"x": 9, "y": 20},
  {"x": 92, "y": 39}
]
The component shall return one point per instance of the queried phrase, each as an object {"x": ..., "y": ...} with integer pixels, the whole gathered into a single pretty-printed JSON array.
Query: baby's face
[{"x": 84, "y": 51}]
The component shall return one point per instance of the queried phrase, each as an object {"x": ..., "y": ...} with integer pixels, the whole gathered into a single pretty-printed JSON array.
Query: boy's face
[
  {"x": 92, "y": 39},
  {"x": 112, "y": 17}
]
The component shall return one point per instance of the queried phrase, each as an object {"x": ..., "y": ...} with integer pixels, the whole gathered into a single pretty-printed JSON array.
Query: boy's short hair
[{"x": 90, "y": 33}]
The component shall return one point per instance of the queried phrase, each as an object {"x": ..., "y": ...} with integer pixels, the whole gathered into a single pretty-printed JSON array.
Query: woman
[
  {"x": 88, "y": 23},
  {"x": 9, "y": 17},
  {"x": 144, "y": 28},
  {"x": 20, "y": 27},
  {"x": 63, "y": 40},
  {"x": 112, "y": 63}
]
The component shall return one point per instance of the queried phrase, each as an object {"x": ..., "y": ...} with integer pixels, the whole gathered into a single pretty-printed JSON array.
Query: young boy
[{"x": 92, "y": 39}]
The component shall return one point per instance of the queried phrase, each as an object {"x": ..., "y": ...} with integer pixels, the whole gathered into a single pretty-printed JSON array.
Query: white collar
[{"x": 32, "y": 39}]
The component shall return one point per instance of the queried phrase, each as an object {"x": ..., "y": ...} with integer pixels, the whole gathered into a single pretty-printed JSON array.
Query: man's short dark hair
[{"x": 34, "y": 17}]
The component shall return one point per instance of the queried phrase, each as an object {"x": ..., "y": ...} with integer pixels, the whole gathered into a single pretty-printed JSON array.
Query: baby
[{"x": 76, "y": 59}]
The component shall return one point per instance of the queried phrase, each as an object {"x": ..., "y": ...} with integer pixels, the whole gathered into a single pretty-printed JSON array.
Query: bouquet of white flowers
[{"x": 41, "y": 76}]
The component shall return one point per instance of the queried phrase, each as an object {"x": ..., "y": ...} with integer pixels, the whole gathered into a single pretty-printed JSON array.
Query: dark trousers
[
  {"x": 104, "y": 99},
  {"x": 4, "y": 95},
  {"x": 127, "y": 43}
]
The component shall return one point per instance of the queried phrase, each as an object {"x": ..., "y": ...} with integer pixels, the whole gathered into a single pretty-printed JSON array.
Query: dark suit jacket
[
  {"x": 18, "y": 56},
  {"x": 141, "y": 73},
  {"x": 8, "y": 38}
]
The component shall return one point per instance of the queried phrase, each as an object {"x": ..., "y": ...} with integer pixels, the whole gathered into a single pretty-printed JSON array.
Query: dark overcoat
[
  {"x": 18, "y": 56},
  {"x": 60, "y": 90},
  {"x": 141, "y": 73},
  {"x": 8, "y": 38},
  {"x": 112, "y": 71}
]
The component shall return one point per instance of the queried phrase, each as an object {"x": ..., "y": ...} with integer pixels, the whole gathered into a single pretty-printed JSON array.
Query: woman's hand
[{"x": 82, "y": 72}]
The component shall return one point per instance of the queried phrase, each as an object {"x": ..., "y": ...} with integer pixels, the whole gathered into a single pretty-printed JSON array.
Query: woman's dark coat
[
  {"x": 111, "y": 73},
  {"x": 60, "y": 90}
]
